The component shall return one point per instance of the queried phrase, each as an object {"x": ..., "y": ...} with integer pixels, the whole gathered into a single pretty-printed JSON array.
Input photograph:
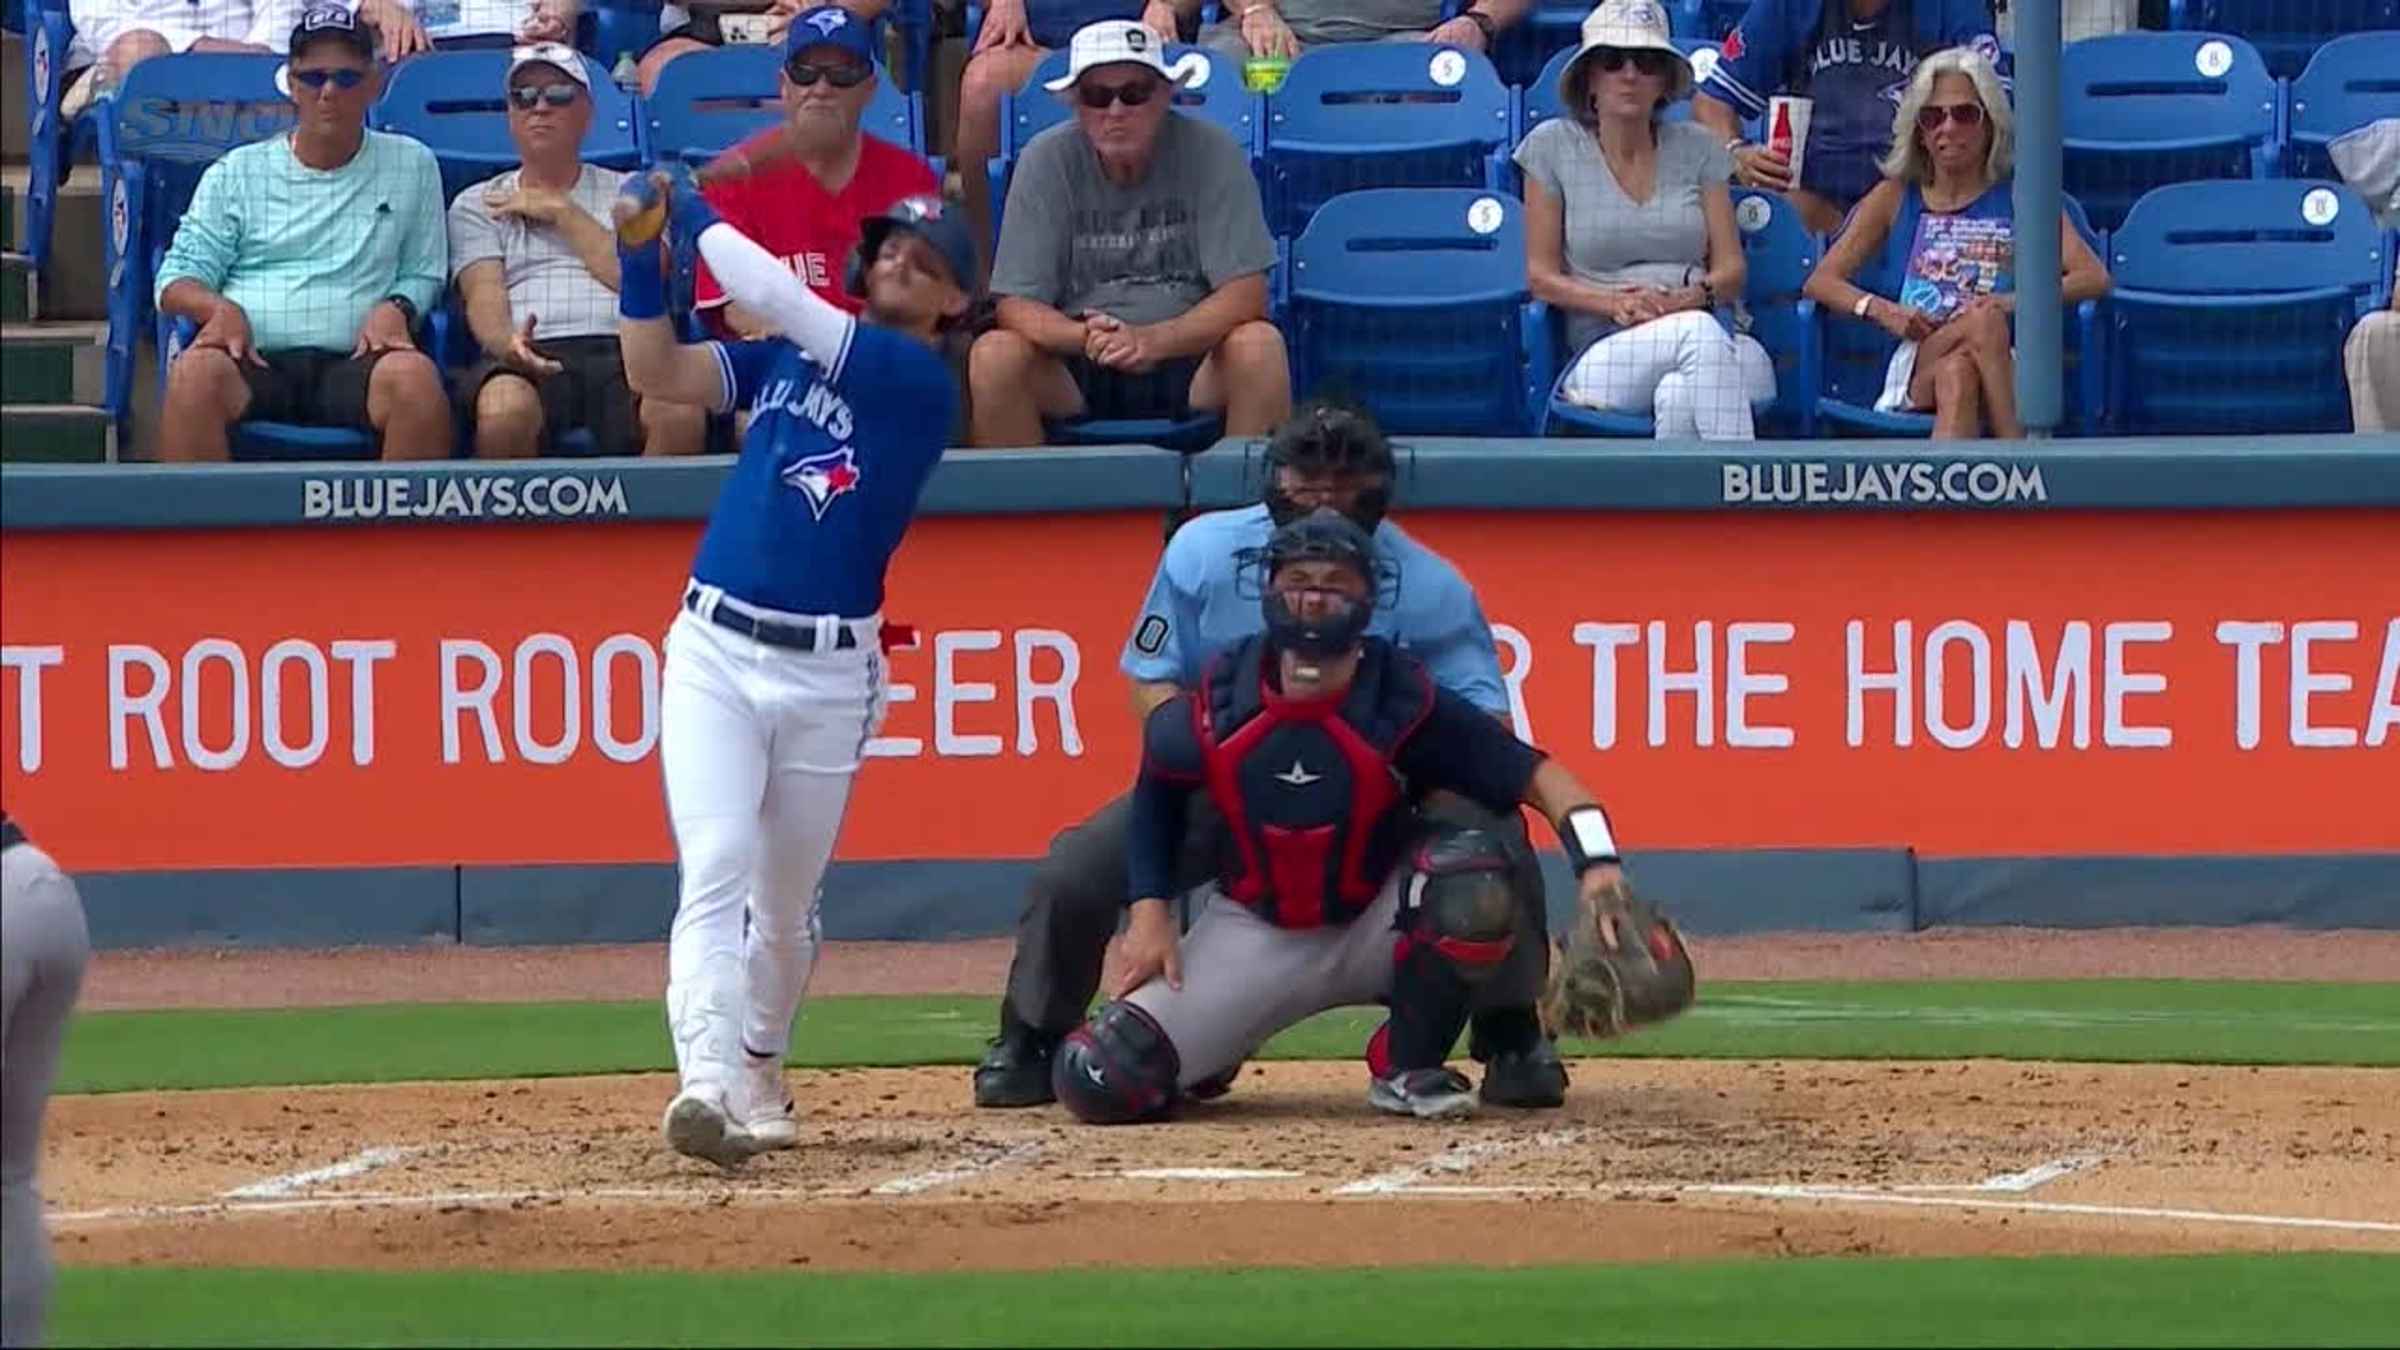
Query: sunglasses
[
  {"x": 343, "y": 78},
  {"x": 1101, "y": 95},
  {"x": 1931, "y": 116},
  {"x": 848, "y": 75},
  {"x": 1613, "y": 59},
  {"x": 556, "y": 95}
]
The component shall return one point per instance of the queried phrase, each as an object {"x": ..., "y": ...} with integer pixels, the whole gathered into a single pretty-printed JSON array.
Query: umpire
[
  {"x": 1328, "y": 454},
  {"x": 42, "y": 957}
]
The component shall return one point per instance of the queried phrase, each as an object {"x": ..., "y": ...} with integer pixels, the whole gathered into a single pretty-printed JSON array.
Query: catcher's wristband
[{"x": 1583, "y": 832}]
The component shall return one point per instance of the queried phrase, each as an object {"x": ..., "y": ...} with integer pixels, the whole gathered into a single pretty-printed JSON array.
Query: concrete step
[
  {"x": 16, "y": 288},
  {"x": 75, "y": 284},
  {"x": 49, "y": 363},
  {"x": 55, "y": 433}
]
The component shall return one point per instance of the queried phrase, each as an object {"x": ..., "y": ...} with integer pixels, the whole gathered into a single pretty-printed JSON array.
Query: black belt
[{"x": 793, "y": 636}]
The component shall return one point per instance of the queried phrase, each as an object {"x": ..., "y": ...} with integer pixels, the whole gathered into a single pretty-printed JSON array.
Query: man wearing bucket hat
[
  {"x": 1132, "y": 269},
  {"x": 1834, "y": 69},
  {"x": 827, "y": 176},
  {"x": 1285, "y": 28}
]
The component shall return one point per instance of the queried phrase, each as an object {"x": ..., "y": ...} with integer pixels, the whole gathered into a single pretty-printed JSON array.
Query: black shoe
[
  {"x": 1016, "y": 1069},
  {"x": 1526, "y": 1079}
]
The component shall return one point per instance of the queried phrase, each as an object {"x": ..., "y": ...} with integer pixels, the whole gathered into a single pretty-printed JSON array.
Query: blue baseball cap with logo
[{"x": 829, "y": 26}]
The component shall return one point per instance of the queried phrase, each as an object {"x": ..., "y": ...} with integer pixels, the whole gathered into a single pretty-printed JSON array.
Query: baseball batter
[
  {"x": 1200, "y": 604},
  {"x": 1311, "y": 741},
  {"x": 42, "y": 954},
  {"x": 774, "y": 675}
]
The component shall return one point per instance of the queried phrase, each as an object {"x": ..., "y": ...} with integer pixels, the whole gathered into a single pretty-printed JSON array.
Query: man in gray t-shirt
[
  {"x": 1288, "y": 27},
  {"x": 1131, "y": 276}
]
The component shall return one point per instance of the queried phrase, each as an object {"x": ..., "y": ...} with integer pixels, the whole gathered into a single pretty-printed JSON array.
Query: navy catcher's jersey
[{"x": 830, "y": 470}]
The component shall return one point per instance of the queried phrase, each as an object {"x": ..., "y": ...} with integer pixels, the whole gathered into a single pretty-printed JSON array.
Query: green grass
[
  {"x": 2194, "y": 1301},
  {"x": 2093, "y": 1020}
]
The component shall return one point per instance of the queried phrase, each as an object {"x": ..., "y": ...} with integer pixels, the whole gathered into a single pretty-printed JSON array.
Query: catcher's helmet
[
  {"x": 1328, "y": 437},
  {"x": 925, "y": 217},
  {"x": 1323, "y": 535}
]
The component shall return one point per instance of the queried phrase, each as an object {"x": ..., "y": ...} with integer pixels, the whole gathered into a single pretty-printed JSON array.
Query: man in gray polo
[{"x": 43, "y": 949}]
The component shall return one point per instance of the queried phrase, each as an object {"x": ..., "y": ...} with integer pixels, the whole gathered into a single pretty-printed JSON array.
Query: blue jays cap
[
  {"x": 318, "y": 23},
  {"x": 829, "y": 26}
]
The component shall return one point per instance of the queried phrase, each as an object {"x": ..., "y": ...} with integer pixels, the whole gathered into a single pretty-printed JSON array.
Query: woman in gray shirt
[{"x": 1629, "y": 232}]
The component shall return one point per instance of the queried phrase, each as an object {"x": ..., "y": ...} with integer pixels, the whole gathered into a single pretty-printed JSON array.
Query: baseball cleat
[
  {"x": 767, "y": 1106},
  {"x": 1429, "y": 1094},
  {"x": 1016, "y": 1069},
  {"x": 1528, "y": 1079},
  {"x": 697, "y": 1125}
]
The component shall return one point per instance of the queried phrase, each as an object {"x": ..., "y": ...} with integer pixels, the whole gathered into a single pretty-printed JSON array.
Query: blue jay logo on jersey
[{"x": 821, "y": 478}]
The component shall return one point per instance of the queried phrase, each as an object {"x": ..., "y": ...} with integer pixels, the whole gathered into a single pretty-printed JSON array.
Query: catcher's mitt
[{"x": 1597, "y": 992}]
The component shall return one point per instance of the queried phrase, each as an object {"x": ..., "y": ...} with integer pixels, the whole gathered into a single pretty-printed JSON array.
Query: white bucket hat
[
  {"x": 1627, "y": 25},
  {"x": 1124, "y": 42}
]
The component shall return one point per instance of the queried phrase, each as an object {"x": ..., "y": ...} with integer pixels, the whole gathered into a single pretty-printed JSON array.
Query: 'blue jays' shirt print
[
  {"x": 1198, "y": 607},
  {"x": 830, "y": 470}
]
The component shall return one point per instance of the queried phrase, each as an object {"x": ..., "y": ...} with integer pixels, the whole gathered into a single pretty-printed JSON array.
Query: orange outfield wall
[{"x": 2232, "y": 673}]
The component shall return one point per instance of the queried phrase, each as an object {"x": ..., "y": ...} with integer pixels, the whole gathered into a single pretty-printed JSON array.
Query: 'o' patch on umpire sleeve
[{"x": 1150, "y": 638}]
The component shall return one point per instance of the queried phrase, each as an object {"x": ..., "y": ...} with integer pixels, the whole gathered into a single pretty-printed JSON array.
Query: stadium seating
[
  {"x": 2285, "y": 31},
  {"x": 2232, "y": 302},
  {"x": 453, "y": 103},
  {"x": 2144, "y": 109},
  {"x": 1780, "y": 253},
  {"x": 1219, "y": 96},
  {"x": 2350, "y": 82},
  {"x": 1412, "y": 301},
  {"x": 53, "y": 141},
  {"x": 1383, "y": 114}
]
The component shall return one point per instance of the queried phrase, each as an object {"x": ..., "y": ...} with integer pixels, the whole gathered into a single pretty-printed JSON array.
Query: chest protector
[{"x": 1314, "y": 807}]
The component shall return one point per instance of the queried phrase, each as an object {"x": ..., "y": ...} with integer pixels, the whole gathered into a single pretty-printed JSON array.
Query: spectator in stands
[
  {"x": 697, "y": 25},
  {"x": 1629, "y": 233},
  {"x": 2077, "y": 20},
  {"x": 1943, "y": 221},
  {"x": 806, "y": 210},
  {"x": 536, "y": 266},
  {"x": 2373, "y": 358},
  {"x": 1851, "y": 59},
  {"x": 1131, "y": 276},
  {"x": 1016, "y": 35},
  {"x": 113, "y": 36},
  {"x": 412, "y": 26},
  {"x": 306, "y": 260},
  {"x": 1288, "y": 27}
]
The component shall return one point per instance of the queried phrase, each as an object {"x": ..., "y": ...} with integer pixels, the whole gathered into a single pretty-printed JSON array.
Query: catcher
[{"x": 1311, "y": 740}]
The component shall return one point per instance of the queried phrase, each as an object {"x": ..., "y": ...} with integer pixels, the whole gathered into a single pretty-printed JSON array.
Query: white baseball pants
[
  {"x": 1685, "y": 370},
  {"x": 758, "y": 744}
]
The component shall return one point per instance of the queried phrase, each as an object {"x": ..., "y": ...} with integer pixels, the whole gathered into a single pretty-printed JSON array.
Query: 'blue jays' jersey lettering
[
  {"x": 1197, "y": 608},
  {"x": 830, "y": 470}
]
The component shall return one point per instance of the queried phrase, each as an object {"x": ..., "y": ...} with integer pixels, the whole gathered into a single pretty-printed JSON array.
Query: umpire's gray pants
[
  {"x": 42, "y": 955},
  {"x": 1244, "y": 979}
]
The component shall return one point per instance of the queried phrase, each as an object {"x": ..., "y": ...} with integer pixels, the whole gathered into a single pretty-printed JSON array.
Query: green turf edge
[
  {"x": 2145, "y": 1021},
  {"x": 2284, "y": 1299}
]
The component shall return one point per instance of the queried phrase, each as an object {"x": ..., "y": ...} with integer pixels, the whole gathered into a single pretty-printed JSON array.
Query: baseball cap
[
  {"x": 321, "y": 22},
  {"x": 829, "y": 26},
  {"x": 557, "y": 54},
  {"x": 1116, "y": 42}
]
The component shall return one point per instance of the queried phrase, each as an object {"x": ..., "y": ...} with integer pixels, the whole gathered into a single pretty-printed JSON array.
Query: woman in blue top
[{"x": 1939, "y": 233}]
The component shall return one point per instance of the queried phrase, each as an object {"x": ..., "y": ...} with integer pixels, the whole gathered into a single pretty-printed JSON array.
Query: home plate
[{"x": 1210, "y": 1174}]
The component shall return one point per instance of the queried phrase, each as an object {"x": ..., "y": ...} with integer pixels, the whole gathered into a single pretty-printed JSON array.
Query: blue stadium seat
[
  {"x": 2350, "y": 82},
  {"x": 2144, "y": 109},
  {"x": 708, "y": 100},
  {"x": 2286, "y": 32},
  {"x": 1383, "y": 114},
  {"x": 453, "y": 102},
  {"x": 2232, "y": 302},
  {"x": 53, "y": 141},
  {"x": 1538, "y": 102},
  {"x": 1412, "y": 301},
  {"x": 1780, "y": 253},
  {"x": 1219, "y": 96},
  {"x": 609, "y": 29},
  {"x": 159, "y": 130},
  {"x": 1852, "y": 356}
]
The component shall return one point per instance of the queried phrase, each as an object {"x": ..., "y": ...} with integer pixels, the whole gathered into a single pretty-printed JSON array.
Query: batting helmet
[
  {"x": 925, "y": 217},
  {"x": 1328, "y": 438}
]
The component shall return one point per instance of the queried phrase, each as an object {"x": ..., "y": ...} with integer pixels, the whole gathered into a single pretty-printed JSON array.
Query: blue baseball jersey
[
  {"x": 1197, "y": 608},
  {"x": 830, "y": 470}
]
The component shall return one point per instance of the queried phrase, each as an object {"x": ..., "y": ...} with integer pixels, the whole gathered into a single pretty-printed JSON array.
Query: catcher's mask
[
  {"x": 928, "y": 219},
  {"x": 1330, "y": 441},
  {"x": 1320, "y": 612}
]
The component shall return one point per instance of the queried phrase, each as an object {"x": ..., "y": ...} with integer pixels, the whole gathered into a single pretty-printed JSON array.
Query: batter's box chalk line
[
  {"x": 294, "y": 1183},
  {"x": 1456, "y": 1161},
  {"x": 981, "y": 1161}
]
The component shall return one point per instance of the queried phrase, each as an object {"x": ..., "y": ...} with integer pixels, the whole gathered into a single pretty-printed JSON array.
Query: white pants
[
  {"x": 2373, "y": 358},
  {"x": 1685, "y": 370},
  {"x": 758, "y": 745}
]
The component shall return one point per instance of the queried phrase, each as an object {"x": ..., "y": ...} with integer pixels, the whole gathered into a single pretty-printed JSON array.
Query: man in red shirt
[{"x": 807, "y": 209}]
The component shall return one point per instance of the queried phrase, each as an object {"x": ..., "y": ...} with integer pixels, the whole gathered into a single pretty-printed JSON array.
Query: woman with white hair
[
  {"x": 1629, "y": 233},
  {"x": 1942, "y": 223}
]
